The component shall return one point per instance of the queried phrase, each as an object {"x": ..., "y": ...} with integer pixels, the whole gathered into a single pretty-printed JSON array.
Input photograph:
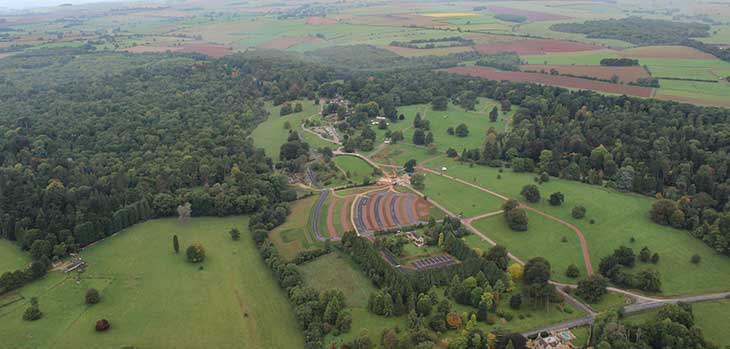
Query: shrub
[
  {"x": 92, "y": 296},
  {"x": 696, "y": 259},
  {"x": 195, "y": 253},
  {"x": 578, "y": 212},
  {"x": 556, "y": 199},
  {"x": 531, "y": 193},
  {"x": 33, "y": 312},
  {"x": 572, "y": 271},
  {"x": 102, "y": 325},
  {"x": 235, "y": 234}
]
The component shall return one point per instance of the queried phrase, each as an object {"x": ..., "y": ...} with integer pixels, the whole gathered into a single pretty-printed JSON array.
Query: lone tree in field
[
  {"x": 195, "y": 253},
  {"x": 175, "y": 244},
  {"x": 92, "y": 296},
  {"x": 572, "y": 271},
  {"x": 531, "y": 193},
  {"x": 494, "y": 114},
  {"x": 410, "y": 166},
  {"x": 578, "y": 212},
  {"x": 235, "y": 234},
  {"x": 556, "y": 199},
  {"x": 184, "y": 211},
  {"x": 515, "y": 216},
  {"x": 33, "y": 312},
  {"x": 462, "y": 130}
]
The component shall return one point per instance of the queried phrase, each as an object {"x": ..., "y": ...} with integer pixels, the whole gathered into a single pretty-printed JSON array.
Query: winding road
[{"x": 640, "y": 302}]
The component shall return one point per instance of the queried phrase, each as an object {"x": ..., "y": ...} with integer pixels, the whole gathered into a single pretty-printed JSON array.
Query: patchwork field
[
  {"x": 553, "y": 80},
  {"x": 155, "y": 298}
]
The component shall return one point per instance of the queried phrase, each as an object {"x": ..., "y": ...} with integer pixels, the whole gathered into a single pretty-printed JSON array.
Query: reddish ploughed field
[
  {"x": 625, "y": 74},
  {"x": 532, "y": 16},
  {"x": 534, "y": 47},
  {"x": 553, "y": 80},
  {"x": 213, "y": 50}
]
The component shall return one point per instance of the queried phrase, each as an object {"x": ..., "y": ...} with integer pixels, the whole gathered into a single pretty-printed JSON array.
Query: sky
[{"x": 24, "y": 4}]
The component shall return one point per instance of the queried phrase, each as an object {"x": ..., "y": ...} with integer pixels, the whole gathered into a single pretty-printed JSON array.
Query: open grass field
[
  {"x": 712, "y": 92},
  {"x": 477, "y": 122},
  {"x": 458, "y": 197},
  {"x": 399, "y": 154},
  {"x": 543, "y": 238},
  {"x": 155, "y": 298},
  {"x": 336, "y": 270},
  {"x": 295, "y": 234},
  {"x": 355, "y": 168},
  {"x": 618, "y": 217},
  {"x": 612, "y": 301},
  {"x": 11, "y": 257},
  {"x": 271, "y": 134}
]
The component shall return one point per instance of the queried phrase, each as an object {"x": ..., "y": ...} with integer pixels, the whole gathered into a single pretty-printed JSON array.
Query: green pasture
[
  {"x": 11, "y": 257},
  {"x": 459, "y": 198},
  {"x": 295, "y": 235},
  {"x": 155, "y": 298},
  {"x": 355, "y": 168},
  {"x": 336, "y": 270},
  {"x": 270, "y": 134},
  {"x": 476, "y": 121},
  {"x": 617, "y": 218},
  {"x": 543, "y": 238},
  {"x": 695, "y": 89},
  {"x": 399, "y": 154}
]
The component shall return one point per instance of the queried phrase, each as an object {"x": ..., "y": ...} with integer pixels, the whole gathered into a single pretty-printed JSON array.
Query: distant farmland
[
  {"x": 625, "y": 74},
  {"x": 553, "y": 80}
]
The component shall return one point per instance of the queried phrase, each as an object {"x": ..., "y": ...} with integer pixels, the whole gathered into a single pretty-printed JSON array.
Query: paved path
[{"x": 317, "y": 212}]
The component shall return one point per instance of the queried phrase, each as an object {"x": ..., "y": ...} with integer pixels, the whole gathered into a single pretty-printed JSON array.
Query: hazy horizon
[{"x": 23, "y": 5}]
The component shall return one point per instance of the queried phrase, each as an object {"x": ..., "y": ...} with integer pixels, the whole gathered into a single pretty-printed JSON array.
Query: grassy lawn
[
  {"x": 695, "y": 89},
  {"x": 712, "y": 317},
  {"x": 611, "y": 301},
  {"x": 295, "y": 234},
  {"x": 476, "y": 121},
  {"x": 154, "y": 298},
  {"x": 338, "y": 271},
  {"x": 399, "y": 154},
  {"x": 355, "y": 168},
  {"x": 543, "y": 238},
  {"x": 618, "y": 217},
  {"x": 458, "y": 197},
  {"x": 11, "y": 257},
  {"x": 271, "y": 134}
]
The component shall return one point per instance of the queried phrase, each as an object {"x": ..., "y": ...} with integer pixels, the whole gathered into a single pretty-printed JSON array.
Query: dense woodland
[{"x": 94, "y": 142}]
